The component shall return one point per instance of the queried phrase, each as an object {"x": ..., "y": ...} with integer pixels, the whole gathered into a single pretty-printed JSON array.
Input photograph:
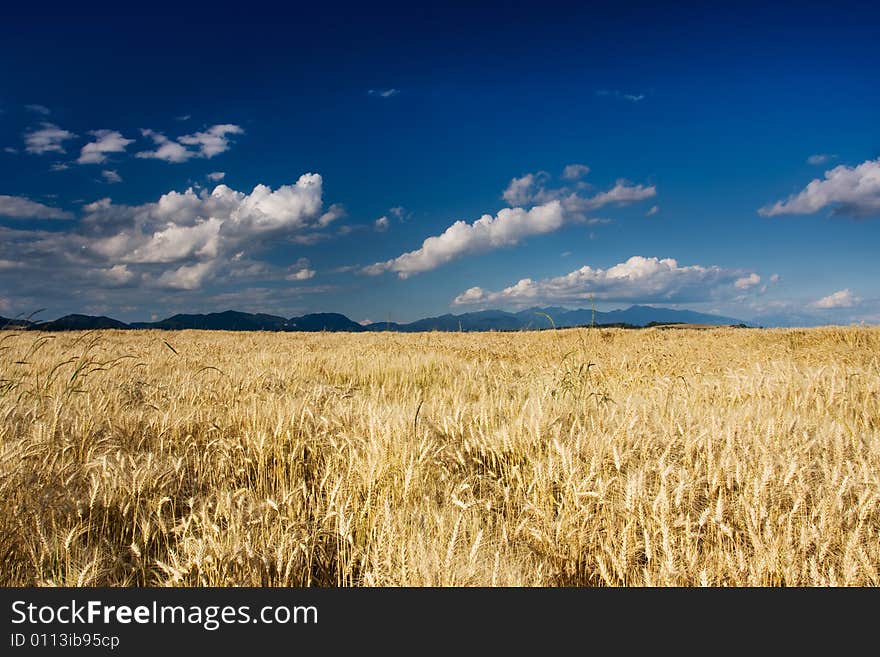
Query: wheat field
[{"x": 579, "y": 457}]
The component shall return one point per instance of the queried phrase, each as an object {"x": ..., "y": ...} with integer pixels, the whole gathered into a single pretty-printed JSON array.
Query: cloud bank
[
  {"x": 638, "y": 279},
  {"x": 179, "y": 242}
]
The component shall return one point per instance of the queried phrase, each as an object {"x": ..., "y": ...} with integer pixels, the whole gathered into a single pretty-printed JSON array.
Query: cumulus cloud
[
  {"x": 575, "y": 171},
  {"x": 639, "y": 279},
  {"x": 49, "y": 138},
  {"x": 167, "y": 150},
  {"x": 117, "y": 274},
  {"x": 106, "y": 141},
  {"x": 849, "y": 191},
  {"x": 182, "y": 226},
  {"x": 551, "y": 210},
  {"x": 302, "y": 275},
  {"x": 19, "y": 207},
  {"x": 181, "y": 242},
  {"x": 301, "y": 271},
  {"x": 654, "y": 210},
  {"x": 532, "y": 189},
  {"x": 216, "y": 176},
  {"x": 111, "y": 176},
  {"x": 840, "y": 299},
  {"x": 382, "y": 224},
  {"x": 186, "y": 277},
  {"x": 526, "y": 189},
  {"x": 211, "y": 142},
  {"x": 383, "y": 93},
  {"x": 504, "y": 229},
  {"x": 747, "y": 282}
]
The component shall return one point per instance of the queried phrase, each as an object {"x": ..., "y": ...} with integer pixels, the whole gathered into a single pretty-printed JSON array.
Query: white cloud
[
  {"x": 551, "y": 210},
  {"x": 47, "y": 139},
  {"x": 384, "y": 93},
  {"x": 59, "y": 166},
  {"x": 654, "y": 210},
  {"x": 840, "y": 299},
  {"x": 747, "y": 282},
  {"x": 100, "y": 204},
  {"x": 532, "y": 189},
  {"x": 301, "y": 270},
  {"x": 39, "y": 109},
  {"x": 211, "y": 142},
  {"x": 820, "y": 158},
  {"x": 382, "y": 224},
  {"x": 106, "y": 141},
  {"x": 527, "y": 189},
  {"x": 111, "y": 176},
  {"x": 334, "y": 212},
  {"x": 639, "y": 279},
  {"x": 216, "y": 176},
  {"x": 170, "y": 244},
  {"x": 201, "y": 235},
  {"x": 186, "y": 277},
  {"x": 575, "y": 171},
  {"x": 852, "y": 191},
  {"x": 504, "y": 229},
  {"x": 303, "y": 274},
  {"x": 19, "y": 207},
  {"x": 10, "y": 150},
  {"x": 117, "y": 274},
  {"x": 398, "y": 211},
  {"x": 168, "y": 151},
  {"x": 183, "y": 117},
  {"x": 620, "y": 194}
]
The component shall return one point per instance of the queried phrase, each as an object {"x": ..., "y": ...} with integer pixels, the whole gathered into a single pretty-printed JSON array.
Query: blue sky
[{"x": 405, "y": 162}]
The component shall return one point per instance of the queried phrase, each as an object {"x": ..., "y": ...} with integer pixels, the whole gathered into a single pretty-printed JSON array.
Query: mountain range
[{"x": 484, "y": 320}]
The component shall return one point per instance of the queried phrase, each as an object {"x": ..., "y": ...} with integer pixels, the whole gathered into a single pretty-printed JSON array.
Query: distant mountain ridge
[
  {"x": 14, "y": 323},
  {"x": 538, "y": 318},
  {"x": 483, "y": 320}
]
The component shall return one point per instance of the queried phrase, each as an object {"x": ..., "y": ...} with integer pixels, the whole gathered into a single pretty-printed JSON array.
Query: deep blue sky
[{"x": 709, "y": 114}]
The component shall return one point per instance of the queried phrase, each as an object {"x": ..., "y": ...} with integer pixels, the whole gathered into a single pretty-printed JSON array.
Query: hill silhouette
[{"x": 483, "y": 320}]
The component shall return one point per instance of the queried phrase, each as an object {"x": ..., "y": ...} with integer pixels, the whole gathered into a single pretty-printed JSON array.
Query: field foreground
[{"x": 579, "y": 457}]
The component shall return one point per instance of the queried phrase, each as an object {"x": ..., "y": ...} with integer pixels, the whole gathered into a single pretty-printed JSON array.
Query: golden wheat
[{"x": 574, "y": 457}]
